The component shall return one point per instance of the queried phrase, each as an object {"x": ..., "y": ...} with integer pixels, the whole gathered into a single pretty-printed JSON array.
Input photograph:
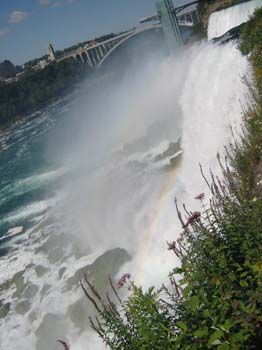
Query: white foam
[
  {"x": 29, "y": 211},
  {"x": 210, "y": 102},
  {"x": 222, "y": 21}
]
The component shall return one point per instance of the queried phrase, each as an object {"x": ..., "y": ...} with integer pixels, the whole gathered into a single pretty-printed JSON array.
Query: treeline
[
  {"x": 215, "y": 298},
  {"x": 8, "y": 69},
  {"x": 35, "y": 89}
]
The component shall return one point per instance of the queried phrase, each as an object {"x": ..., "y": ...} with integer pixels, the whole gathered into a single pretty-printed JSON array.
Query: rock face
[
  {"x": 40, "y": 270},
  {"x": 22, "y": 307},
  {"x": 4, "y": 309},
  {"x": 52, "y": 328},
  {"x": 107, "y": 264}
]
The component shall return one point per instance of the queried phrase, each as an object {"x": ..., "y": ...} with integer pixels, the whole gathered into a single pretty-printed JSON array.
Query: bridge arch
[
  {"x": 79, "y": 58},
  {"x": 84, "y": 57},
  {"x": 125, "y": 39}
]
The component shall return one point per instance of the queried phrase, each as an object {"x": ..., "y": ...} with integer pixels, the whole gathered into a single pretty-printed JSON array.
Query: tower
[
  {"x": 51, "y": 53},
  {"x": 170, "y": 25}
]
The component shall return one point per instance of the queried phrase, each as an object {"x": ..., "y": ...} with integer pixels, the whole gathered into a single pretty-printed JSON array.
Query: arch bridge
[{"x": 95, "y": 54}]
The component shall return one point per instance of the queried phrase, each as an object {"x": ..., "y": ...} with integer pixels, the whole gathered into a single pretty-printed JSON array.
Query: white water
[
  {"x": 222, "y": 21},
  {"x": 134, "y": 208}
]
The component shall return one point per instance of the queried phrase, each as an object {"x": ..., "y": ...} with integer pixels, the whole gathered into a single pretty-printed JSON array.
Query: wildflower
[
  {"x": 201, "y": 196},
  {"x": 123, "y": 280},
  {"x": 195, "y": 215}
]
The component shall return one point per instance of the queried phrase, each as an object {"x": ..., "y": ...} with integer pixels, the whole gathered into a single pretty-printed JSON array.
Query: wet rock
[
  {"x": 44, "y": 290},
  {"x": 79, "y": 313},
  {"x": 61, "y": 272},
  {"x": 56, "y": 255},
  {"x": 30, "y": 291},
  {"x": 108, "y": 263},
  {"x": 176, "y": 160},
  {"x": 172, "y": 149},
  {"x": 53, "y": 327},
  {"x": 97, "y": 273},
  {"x": 32, "y": 316},
  {"x": 20, "y": 285},
  {"x": 53, "y": 242},
  {"x": 22, "y": 307},
  {"x": 4, "y": 309},
  {"x": 40, "y": 270}
]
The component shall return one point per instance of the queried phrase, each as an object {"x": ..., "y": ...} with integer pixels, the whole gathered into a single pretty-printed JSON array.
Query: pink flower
[
  {"x": 201, "y": 196},
  {"x": 123, "y": 280}
]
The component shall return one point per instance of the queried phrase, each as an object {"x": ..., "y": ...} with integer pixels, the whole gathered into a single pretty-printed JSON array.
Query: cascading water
[
  {"x": 222, "y": 21},
  {"x": 115, "y": 210}
]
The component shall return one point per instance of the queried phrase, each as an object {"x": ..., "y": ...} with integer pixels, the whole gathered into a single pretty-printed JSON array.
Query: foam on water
[
  {"x": 29, "y": 211},
  {"x": 31, "y": 183}
]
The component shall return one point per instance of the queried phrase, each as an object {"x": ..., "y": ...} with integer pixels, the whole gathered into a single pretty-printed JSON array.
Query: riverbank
[
  {"x": 217, "y": 302},
  {"x": 38, "y": 89}
]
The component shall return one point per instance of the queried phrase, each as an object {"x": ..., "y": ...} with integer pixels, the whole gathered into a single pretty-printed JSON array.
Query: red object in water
[
  {"x": 200, "y": 196},
  {"x": 123, "y": 280},
  {"x": 65, "y": 345}
]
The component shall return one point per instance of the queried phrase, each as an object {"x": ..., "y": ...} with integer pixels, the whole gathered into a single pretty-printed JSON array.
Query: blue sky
[{"x": 28, "y": 26}]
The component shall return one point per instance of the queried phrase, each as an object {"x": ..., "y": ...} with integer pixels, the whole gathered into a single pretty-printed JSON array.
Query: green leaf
[
  {"x": 164, "y": 327},
  {"x": 206, "y": 313},
  {"x": 226, "y": 326},
  {"x": 201, "y": 332},
  {"x": 238, "y": 337},
  {"x": 214, "y": 337},
  {"x": 194, "y": 302},
  {"x": 223, "y": 347},
  {"x": 181, "y": 325},
  {"x": 187, "y": 290},
  {"x": 244, "y": 283},
  {"x": 178, "y": 270},
  {"x": 257, "y": 267}
]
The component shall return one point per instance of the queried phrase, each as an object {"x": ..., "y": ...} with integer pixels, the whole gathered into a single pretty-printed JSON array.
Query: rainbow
[{"x": 143, "y": 253}]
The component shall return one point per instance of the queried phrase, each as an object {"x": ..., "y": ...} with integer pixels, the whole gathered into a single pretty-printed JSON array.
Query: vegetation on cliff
[{"x": 215, "y": 297}]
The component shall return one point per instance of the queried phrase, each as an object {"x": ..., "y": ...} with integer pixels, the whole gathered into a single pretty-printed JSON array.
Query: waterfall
[
  {"x": 129, "y": 201},
  {"x": 222, "y": 21}
]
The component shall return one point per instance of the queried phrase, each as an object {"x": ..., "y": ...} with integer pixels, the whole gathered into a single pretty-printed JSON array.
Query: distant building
[
  {"x": 11, "y": 80},
  {"x": 18, "y": 75},
  {"x": 40, "y": 65},
  {"x": 51, "y": 53},
  {"x": 43, "y": 63}
]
